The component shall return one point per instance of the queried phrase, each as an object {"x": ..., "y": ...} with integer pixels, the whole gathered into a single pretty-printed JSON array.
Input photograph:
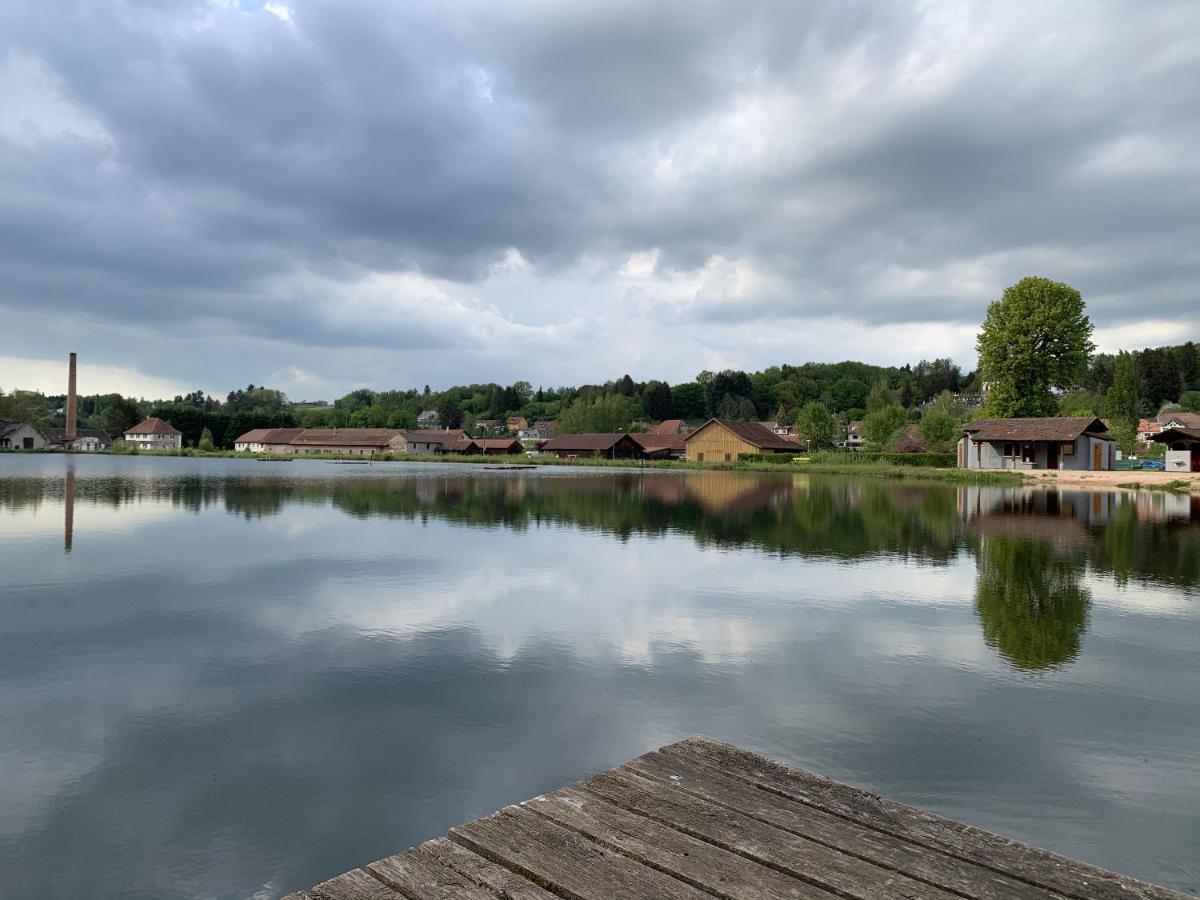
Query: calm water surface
[{"x": 231, "y": 679}]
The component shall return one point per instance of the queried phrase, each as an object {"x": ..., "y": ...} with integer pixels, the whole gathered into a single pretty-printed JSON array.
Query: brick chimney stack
[{"x": 69, "y": 434}]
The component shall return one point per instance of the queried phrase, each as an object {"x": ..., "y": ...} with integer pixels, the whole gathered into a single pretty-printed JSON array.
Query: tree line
[{"x": 1036, "y": 358}]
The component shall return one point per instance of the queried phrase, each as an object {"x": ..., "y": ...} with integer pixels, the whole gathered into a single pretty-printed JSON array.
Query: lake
[{"x": 231, "y": 679}]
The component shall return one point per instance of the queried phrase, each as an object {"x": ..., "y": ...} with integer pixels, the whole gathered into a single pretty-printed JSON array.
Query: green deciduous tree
[
  {"x": 815, "y": 425},
  {"x": 656, "y": 398},
  {"x": 687, "y": 400},
  {"x": 883, "y": 426},
  {"x": 1082, "y": 403},
  {"x": 880, "y": 397},
  {"x": 1036, "y": 337},
  {"x": 206, "y": 441},
  {"x": 1123, "y": 402},
  {"x": 847, "y": 394},
  {"x": 938, "y": 428},
  {"x": 1190, "y": 401},
  {"x": 602, "y": 415}
]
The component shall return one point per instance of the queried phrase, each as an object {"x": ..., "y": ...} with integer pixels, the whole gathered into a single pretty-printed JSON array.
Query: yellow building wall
[{"x": 716, "y": 444}]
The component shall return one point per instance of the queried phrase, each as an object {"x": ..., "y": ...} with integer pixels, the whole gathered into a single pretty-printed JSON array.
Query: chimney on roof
[{"x": 69, "y": 434}]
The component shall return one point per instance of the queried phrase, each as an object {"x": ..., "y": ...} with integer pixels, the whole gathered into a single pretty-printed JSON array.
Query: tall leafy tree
[
  {"x": 1035, "y": 338},
  {"x": 816, "y": 425},
  {"x": 1123, "y": 402},
  {"x": 881, "y": 427},
  {"x": 656, "y": 398},
  {"x": 938, "y": 428}
]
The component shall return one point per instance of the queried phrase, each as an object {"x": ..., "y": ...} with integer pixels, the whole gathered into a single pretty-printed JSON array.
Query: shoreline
[
  {"x": 1118, "y": 479},
  {"x": 862, "y": 470},
  {"x": 1130, "y": 480}
]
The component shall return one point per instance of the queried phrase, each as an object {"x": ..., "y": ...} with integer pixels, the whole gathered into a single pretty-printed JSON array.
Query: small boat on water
[{"x": 518, "y": 466}]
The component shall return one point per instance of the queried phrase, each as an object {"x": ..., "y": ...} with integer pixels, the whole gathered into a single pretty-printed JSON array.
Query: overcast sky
[{"x": 325, "y": 194}]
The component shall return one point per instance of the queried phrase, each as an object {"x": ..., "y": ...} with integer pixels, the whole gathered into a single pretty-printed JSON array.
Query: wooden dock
[{"x": 701, "y": 819}]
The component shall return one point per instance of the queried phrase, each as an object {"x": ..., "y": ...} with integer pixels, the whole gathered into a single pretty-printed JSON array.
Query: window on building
[
  {"x": 726, "y": 457},
  {"x": 1010, "y": 450},
  {"x": 699, "y": 457},
  {"x": 1028, "y": 454},
  {"x": 1068, "y": 449}
]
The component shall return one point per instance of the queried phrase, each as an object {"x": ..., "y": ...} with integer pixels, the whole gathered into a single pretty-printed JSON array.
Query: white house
[
  {"x": 430, "y": 418},
  {"x": 853, "y": 439},
  {"x": 154, "y": 434}
]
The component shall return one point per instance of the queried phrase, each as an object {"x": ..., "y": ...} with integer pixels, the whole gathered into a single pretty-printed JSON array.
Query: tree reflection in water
[{"x": 1030, "y": 600}]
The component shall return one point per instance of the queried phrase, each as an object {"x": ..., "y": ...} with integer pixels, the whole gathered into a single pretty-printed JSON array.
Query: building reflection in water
[{"x": 69, "y": 509}]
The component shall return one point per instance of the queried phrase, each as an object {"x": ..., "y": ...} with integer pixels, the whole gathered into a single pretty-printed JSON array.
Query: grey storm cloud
[{"x": 250, "y": 167}]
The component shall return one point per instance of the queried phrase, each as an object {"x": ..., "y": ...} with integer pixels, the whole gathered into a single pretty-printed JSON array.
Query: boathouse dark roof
[
  {"x": 505, "y": 444},
  {"x": 661, "y": 441},
  {"x": 586, "y": 442},
  {"x": 1171, "y": 435},
  {"x": 1051, "y": 428}
]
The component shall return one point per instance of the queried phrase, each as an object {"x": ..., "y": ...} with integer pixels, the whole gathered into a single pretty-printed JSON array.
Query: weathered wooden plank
[
  {"x": 1051, "y": 871},
  {"x": 485, "y": 872},
  {"x": 846, "y": 874},
  {"x": 354, "y": 885},
  {"x": 703, "y": 864},
  {"x": 564, "y": 862},
  {"x": 440, "y": 870},
  {"x": 849, "y": 838}
]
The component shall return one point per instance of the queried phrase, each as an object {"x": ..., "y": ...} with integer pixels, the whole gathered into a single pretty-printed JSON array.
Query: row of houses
[
  {"x": 1149, "y": 428},
  {"x": 717, "y": 440},
  {"x": 360, "y": 441},
  {"x": 149, "y": 434},
  {"x": 24, "y": 436}
]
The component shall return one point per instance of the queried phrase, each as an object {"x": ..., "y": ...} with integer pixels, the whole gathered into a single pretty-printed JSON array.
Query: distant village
[{"x": 1070, "y": 442}]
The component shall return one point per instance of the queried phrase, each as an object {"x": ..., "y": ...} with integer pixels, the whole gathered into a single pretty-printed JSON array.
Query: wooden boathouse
[{"x": 700, "y": 819}]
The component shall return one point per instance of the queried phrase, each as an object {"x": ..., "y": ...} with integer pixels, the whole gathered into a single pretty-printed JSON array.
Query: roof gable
[
  {"x": 588, "y": 442},
  {"x": 1182, "y": 420},
  {"x": 750, "y": 432},
  {"x": 661, "y": 441}
]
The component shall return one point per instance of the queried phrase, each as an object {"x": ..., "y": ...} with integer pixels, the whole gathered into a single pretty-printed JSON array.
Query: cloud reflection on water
[{"x": 269, "y": 679}]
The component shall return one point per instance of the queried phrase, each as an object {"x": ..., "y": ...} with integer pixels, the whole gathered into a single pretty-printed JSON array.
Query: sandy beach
[{"x": 1114, "y": 479}]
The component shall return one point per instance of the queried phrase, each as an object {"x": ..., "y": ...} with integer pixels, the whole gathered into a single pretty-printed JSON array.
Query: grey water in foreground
[{"x": 229, "y": 679}]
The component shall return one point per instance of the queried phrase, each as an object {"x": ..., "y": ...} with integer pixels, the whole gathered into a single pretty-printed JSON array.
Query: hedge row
[
  {"x": 858, "y": 457},
  {"x": 924, "y": 460}
]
